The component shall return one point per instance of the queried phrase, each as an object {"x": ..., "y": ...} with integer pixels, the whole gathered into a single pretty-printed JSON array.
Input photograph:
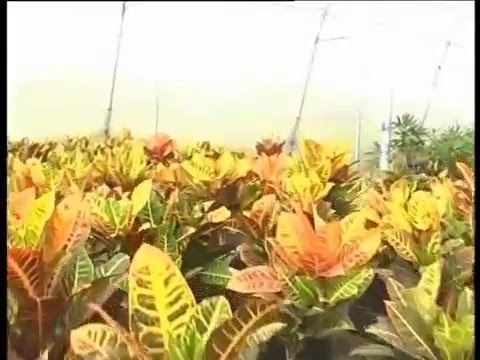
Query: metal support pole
[
  {"x": 435, "y": 81},
  {"x": 292, "y": 139},
  {"x": 385, "y": 140},
  {"x": 448, "y": 45},
  {"x": 156, "y": 110},
  {"x": 108, "y": 118},
  {"x": 357, "y": 142}
]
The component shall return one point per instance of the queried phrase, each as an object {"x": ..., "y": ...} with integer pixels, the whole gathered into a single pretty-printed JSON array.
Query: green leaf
[
  {"x": 113, "y": 268},
  {"x": 260, "y": 336},
  {"x": 96, "y": 293},
  {"x": 37, "y": 216},
  {"x": 430, "y": 281},
  {"x": 111, "y": 215},
  {"x": 384, "y": 330},
  {"x": 415, "y": 334},
  {"x": 228, "y": 340},
  {"x": 217, "y": 272},
  {"x": 347, "y": 287},
  {"x": 140, "y": 196},
  {"x": 329, "y": 322},
  {"x": 422, "y": 298},
  {"x": 304, "y": 292},
  {"x": 208, "y": 315},
  {"x": 465, "y": 305},
  {"x": 80, "y": 273},
  {"x": 372, "y": 350},
  {"x": 395, "y": 289},
  {"x": 167, "y": 239},
  {"x": 455, "y": 339}
]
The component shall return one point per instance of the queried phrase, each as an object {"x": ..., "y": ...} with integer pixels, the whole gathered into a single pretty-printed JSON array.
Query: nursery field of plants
[{"x": 134, "y": 249}]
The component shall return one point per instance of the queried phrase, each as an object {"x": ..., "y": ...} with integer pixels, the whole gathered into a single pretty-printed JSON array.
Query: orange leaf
[
  {"x": 361, "y": 249},
  {"x": 318, "y": 265},
  {"x": 323, "y": 257},
  {"x": 254, "y": 280},
  {"x": 68, "y": 228},
  {"x": 295, "y": 234},
  {"x": 467, "y": 174},
  {"x": 376, "y": 202},
  {"x": 37, "y": 313},
  {"x": 24, "y": 273},
  {"x": 263, "y": 210},
  {"x": 281, "y": 262},
  {"x": 330, "y": 239},
  {"x": 269, "y": 168},
  {"x": 317, "y": 254},
  {"x": 20, "y": 202},
  {"x": 160, "y": 146}
]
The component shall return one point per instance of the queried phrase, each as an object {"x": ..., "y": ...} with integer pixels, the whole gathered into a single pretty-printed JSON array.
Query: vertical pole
[
  {"x": 385, "y": 140},
  {"x": 156, "y": 109},
  {"x": 435, "y": 81},
  {"x": 292, "y": 140},
  {"x": 357, "y": 142},
  {"x": 108, "y": 118}
]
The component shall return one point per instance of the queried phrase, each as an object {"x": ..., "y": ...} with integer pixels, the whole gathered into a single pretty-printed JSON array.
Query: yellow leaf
[
  {"x": 200, "y": 167},
  {"x": 38, "y": 215},
  {"x": 219, "y": 215},
  {"x": 398, "y": 218},
  {"x": 361, "y": 248},
  {"x": 443, "y": 193},
  {"x": 310, "y": 152},
  {"x": 402, "y": 242},
  {"x": 400, "y": 191},
  {"x": 225, "y": 165},
  {"x": 422, "y": 211},
  {"x": 160, "y": 301},
  {"x": 352, "y": 224},
  {"x": 140, "y": 196}
]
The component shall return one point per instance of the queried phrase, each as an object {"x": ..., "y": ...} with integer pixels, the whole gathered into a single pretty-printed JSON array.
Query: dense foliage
[
  {"x": 127, "y": 249},
  {"x": 415, "y": 149}
]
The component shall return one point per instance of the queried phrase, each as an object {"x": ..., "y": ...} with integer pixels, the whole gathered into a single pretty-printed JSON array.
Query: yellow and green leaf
[
  {"x": 351, "y": 286},
  {"x": 228, "y": 340},
  {"x": 100, "y": 341},
  {"x": 160, "y": 301}
]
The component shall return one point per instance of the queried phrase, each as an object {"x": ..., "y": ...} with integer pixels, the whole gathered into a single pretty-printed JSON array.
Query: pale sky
[{"x": 234, "y": 72}]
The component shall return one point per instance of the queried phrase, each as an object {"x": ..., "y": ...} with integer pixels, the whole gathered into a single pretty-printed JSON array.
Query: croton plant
[{"x": 131, "y": 249}]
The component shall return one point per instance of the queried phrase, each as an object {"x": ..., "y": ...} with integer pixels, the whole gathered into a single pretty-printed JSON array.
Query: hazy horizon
[{"x": 234, "y": 72}]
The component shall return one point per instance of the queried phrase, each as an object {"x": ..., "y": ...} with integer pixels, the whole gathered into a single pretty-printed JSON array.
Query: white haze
[{"x": 233, "y": 72}]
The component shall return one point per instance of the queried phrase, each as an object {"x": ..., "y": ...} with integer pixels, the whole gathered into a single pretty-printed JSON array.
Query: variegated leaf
[
  {"x": 254, "y": 280},
  {"x": 160, "y": 301},
  {"x": 228, "y": 340}
]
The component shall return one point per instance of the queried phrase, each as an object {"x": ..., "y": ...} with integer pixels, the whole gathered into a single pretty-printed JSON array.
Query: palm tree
[
  {"x": 451, "y": 145},
  {"x": 407, "y": 145}
]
